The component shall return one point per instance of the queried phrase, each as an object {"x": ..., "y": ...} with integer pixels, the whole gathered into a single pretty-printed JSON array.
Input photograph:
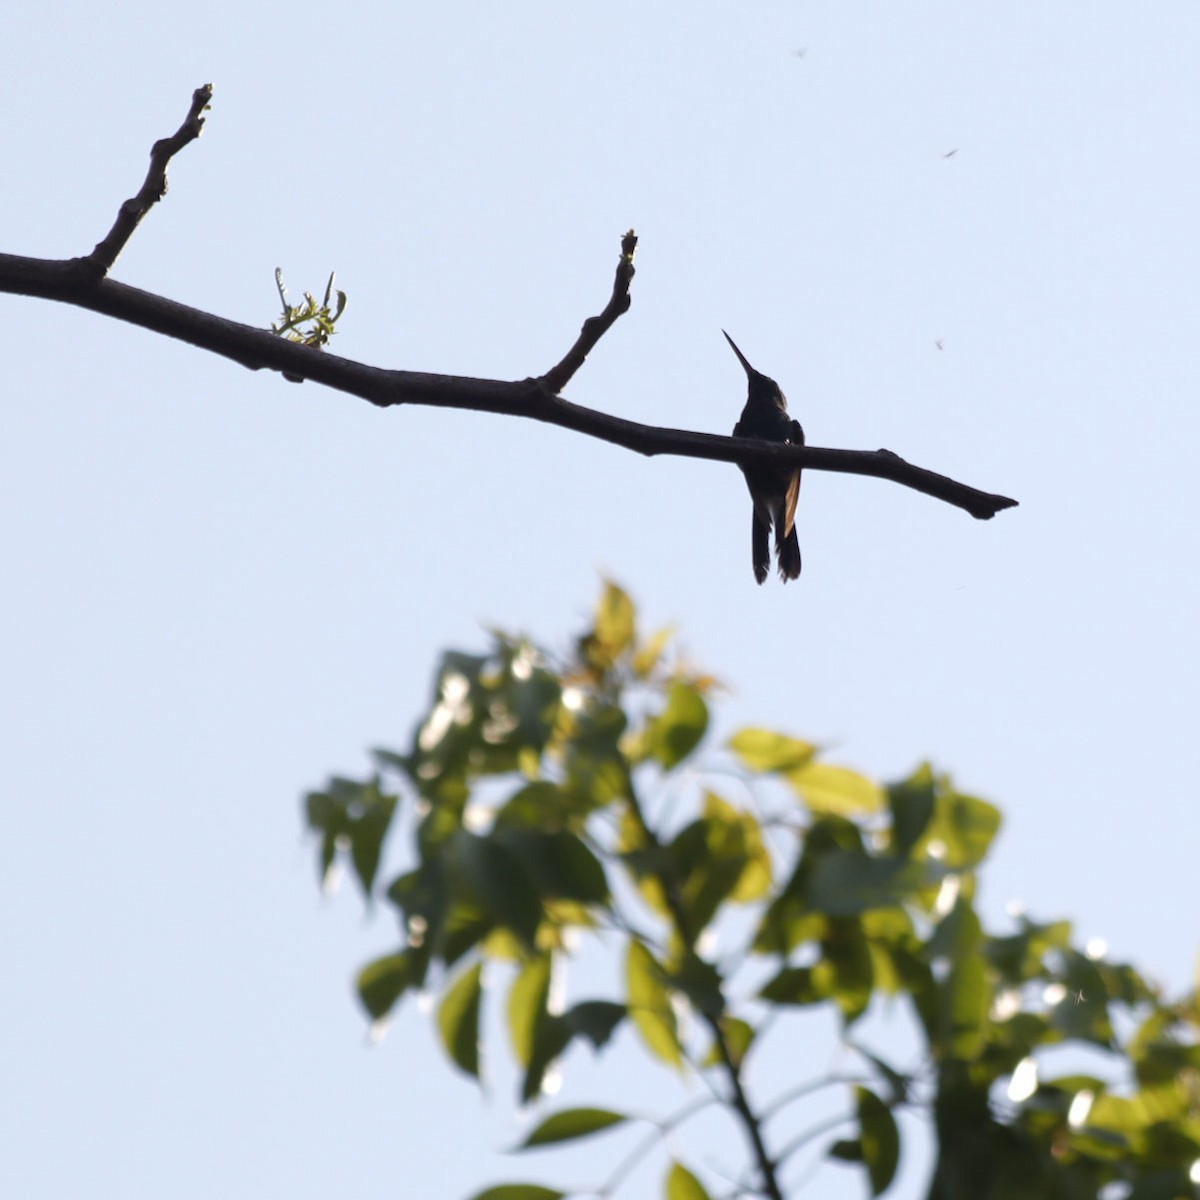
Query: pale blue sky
[{"x": 220, "y": 587}]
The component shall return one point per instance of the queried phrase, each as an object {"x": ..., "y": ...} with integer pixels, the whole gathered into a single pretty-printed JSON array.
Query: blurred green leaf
[
  {"x": 595, "y": 1020},
  {"x": 912, "y": 803},
  {"x": 838, "y": 790},
  {"x": 464, "y": 928},
  {"x": 769, "y": 752},
  {"x": 458, "y": 1019},
  {"x": 558, "y": 865},
  {"x": 519, "y": 1191},
  {"x": 649, "y": 654},
  {"x": 551, "y": 1037},
  {"x": 493, "y": 873},
  {"x": 843, "y": 973},
  {"x": 965, "y": 827},
  {"x": 527, "y": 1004},
  {"x": 382, "y": 982},
  {"x": 676, "y": 731},
  {"x": 650, "y": 1006},
  {"x": 613, "y": 633},
  {"x": 616, "y": 618},
  {"x": 538, "y": 1036},
  {"x": 353, "y": 816},
  {"x": 966, "y": 995},
  {"x": 792, "y": 985},
  {"x": 570, "y": 1124},
  {"x": 707, "y": 861},
  {"x": 1083, "y": 1012},
  {"x": 880, "y": 1139},
  {"x": 367, "y": 831},
  {"x": 1170, "y": 1183},
  {"x": 846, "y": 968},
  {"x": 847, "y": 883},
  {"x": 545, "y": 806},
  {"x": 1020, "y": 957},
  {"x": 683, "y": 1185}
]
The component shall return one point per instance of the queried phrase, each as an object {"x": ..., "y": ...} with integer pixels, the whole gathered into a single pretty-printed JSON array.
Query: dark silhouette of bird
[{"x": 774, "y": 490}]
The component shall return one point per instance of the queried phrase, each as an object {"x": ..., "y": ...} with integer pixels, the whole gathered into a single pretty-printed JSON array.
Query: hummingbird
[{"x": 774, "y": 490}]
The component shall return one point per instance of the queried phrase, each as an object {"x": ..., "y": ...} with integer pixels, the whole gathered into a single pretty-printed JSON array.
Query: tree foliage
[{"x": 552, "y": 800}]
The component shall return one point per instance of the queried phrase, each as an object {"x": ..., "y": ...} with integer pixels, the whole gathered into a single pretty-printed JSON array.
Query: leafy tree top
[{"x": 548, "y": 799}]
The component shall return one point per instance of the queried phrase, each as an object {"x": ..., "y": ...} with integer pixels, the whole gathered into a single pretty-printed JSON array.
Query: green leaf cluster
[
  {"x": 552, "y": 801},
  {"x": 312, "y": 323}
]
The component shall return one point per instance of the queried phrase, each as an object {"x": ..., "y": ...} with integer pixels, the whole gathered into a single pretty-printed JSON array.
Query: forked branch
[{"x": 84, "y": 282}]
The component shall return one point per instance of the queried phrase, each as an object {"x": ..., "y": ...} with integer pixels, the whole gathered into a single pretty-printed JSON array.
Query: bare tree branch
[
  {"x": 258, "y": 349},
  {"x": 83, "y": 282}
]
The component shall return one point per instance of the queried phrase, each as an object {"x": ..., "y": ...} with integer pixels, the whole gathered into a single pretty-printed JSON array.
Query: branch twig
[
  {"x": 153, "y": 189},
  {"x": 594, "y": 328}
]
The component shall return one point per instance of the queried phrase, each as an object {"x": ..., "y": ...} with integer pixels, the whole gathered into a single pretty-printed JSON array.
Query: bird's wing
[{"x": 793, "y": 491}]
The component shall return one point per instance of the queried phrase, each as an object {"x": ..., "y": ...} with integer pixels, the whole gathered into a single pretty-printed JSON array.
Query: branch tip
[
  {"x": 154, "y": 187},
  {"x": 594, "y": 328}
]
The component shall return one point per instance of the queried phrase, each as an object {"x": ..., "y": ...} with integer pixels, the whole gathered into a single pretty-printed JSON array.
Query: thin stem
[
  {"x": 648, "y": 1143},
  {"x": 751, "y": 1123}
]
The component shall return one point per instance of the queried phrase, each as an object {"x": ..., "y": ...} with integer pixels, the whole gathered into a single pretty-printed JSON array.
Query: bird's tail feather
[
  {"x": 759, "y": 548},
  {"x": 788, "y": 552}
]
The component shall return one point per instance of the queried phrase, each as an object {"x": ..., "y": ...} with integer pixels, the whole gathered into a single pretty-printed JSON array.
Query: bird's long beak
[{"x": 741, "y": 357}]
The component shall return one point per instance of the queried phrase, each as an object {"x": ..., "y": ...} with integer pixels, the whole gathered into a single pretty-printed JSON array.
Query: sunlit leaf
[
  {"x": 742, "y": 843},
  {"x": 966, "y": 995},
  {"x": 527, "y": 1005},
  {"x": 828, "y": 789},
  {"x": 962, "y": 827},
  {"x": 683, "y": 1185},
  {"x": 650, "y": 652},
  {"x": 767, "y": 751},
  {"x": 613, "y": 632},
  {"x": 570, "y": 1124},
  {"x": 842, "y": 973},
  {"x": 458, "y": 1019},
  {"x": 650, "y": 1005},
  {"x": 707, "y": 859},
  {"x": 615, "y": 617},
  {"x": 845, "y": 970},
  {"x": 676, "y": 731}
]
